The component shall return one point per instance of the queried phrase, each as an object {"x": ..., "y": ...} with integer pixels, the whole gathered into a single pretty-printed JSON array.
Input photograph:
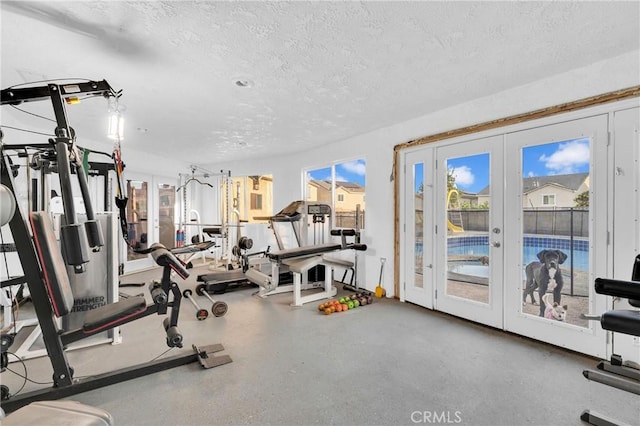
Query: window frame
[{"x": 334, "y": 197}]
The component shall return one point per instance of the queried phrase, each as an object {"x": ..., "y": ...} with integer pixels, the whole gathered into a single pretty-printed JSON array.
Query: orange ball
[{"x": 327, "y": 311}]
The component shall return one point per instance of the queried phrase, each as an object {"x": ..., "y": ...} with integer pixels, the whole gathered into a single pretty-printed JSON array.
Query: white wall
[{"x": 377, "y": 147}]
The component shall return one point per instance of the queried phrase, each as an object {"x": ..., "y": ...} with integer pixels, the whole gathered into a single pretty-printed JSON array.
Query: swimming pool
[
  {"x": 579, "y": 259},
  {"x": 479, "y": 246}
]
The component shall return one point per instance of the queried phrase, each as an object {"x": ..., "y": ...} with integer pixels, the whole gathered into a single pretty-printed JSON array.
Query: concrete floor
[{"x": 389, "y": 363}]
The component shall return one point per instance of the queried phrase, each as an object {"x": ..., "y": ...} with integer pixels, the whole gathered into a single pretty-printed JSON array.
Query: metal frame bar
[{"x": 32, "y": 274}]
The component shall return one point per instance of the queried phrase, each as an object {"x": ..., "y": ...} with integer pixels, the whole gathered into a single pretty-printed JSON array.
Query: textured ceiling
[{"x": 321, "y": 71}]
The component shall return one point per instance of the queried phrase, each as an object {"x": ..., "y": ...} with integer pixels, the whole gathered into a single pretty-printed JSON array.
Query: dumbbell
[
  {"x": 218, "y": 308},
  {"x": 201, "y": 314}
]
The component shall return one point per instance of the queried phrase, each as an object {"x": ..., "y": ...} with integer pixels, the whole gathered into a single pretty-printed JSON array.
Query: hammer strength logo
[{"x": 436, "y": 417}]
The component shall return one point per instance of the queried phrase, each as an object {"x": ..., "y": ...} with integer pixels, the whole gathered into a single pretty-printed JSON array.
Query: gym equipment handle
[
  {"x": 164, "y": 257},
  {"x": 158, "y": 294},
  {"x": 174, "y": 337},
  {"x": 619, "y": 288},
  {"x": 345, "y": 232}
]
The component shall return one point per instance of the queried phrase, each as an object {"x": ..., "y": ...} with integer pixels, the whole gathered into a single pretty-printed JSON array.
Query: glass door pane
[
  {"x": 467, "y": 209},
  {"x": 418, "y": 222},
  {"x": 137, "y": 219},
  {"x": 555, "y": 230},
  {"x": 166, "y": 214}
]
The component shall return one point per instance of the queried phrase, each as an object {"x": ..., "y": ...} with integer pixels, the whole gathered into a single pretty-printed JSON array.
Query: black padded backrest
[{"x": 53, "y": 267}]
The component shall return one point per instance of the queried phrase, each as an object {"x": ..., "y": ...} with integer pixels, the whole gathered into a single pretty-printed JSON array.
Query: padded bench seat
[
  {"x": 281, "y": 255},
  {"x": 334, "y": 261},
  {"x": 109, "y": 316},
  {"x": 300, "y": 266}
]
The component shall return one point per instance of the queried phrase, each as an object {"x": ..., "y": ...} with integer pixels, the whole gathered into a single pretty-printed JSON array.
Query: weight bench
[
  {"x": 627, "y": 321},
  {"x": 193, "y": 250},
  {"x": 53, "y": 297},
  {"x": 342, "y": 263},
  {"x": 300, "y": 268},
  {"x": 299, "y": 261}
]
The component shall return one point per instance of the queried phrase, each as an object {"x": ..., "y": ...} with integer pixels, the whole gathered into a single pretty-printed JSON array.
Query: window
[
  {"x": 342, "y": 183},
  {"x": 549, "y": 200},
  {"x": 250, "y": 197},
  {"x": 256, "y": 201}
]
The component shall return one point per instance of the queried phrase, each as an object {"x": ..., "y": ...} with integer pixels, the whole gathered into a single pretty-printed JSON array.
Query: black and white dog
[{"x": 545, "y": 276}]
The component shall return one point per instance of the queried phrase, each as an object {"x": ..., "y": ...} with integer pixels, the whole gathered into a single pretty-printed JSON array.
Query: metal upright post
[{"x": 62, "y": 372}]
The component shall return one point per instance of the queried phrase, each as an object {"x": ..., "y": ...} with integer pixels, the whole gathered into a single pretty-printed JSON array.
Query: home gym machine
[
  {"x": 615, "y": 373},
  {"x": 303, "y": 265},
  {"x": 45, "y": 266},
  {"x": 295, "y": 215},
  {"x": 36, "y": 165},
  {"x": 190, "y": 228},
  {"x": 299, "y": 262}
]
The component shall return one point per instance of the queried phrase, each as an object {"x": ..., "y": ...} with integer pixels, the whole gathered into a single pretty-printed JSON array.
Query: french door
[
  {"x": 483, "y": 217},
  {"x": 469, "y": 237},
  {"x": 419, "y": 225},
  {"x": 139, "y": 216},
  {"x": 557, "y": 193}
]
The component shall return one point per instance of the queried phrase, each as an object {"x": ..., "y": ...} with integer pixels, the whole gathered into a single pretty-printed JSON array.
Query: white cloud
[
  {"x": 531, "y": 174},
  {"x": 568, "y": 157},
  {"x": 358, "y": 167},
  {"x": 464, "y": 176}
]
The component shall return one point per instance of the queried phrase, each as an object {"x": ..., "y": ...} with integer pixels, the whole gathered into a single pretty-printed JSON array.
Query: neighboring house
[
  {"x": 255, "y": 196},
  {"x": 555, "y": 191},
  {"x": 348, "y": 194},
  {"x": 319, "y": 191},
  {"x": 468, "y": 199}
]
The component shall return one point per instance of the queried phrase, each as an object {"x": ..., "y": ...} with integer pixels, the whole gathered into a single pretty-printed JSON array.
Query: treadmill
[{"x": 219, "y": 282}]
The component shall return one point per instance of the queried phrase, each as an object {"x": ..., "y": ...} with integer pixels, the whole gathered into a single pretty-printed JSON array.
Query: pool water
[
  {"x": 580, "y": 258},
  {"x": 473, "y": 269}
]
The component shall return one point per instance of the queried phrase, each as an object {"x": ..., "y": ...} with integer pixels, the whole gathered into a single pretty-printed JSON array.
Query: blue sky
[
  {"x": 556, "y": 158},
  {"x": 349, "y": 171}
]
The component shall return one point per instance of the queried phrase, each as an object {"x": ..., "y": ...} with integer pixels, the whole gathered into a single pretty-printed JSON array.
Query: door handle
[{"x": 496, "y": 243}]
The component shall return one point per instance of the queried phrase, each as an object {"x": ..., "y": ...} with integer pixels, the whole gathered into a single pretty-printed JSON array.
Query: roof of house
[
  {"x": 321, "y": 183},
  {"x": 570, "y": 181},
  {"x": 349, "y": 186}
]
